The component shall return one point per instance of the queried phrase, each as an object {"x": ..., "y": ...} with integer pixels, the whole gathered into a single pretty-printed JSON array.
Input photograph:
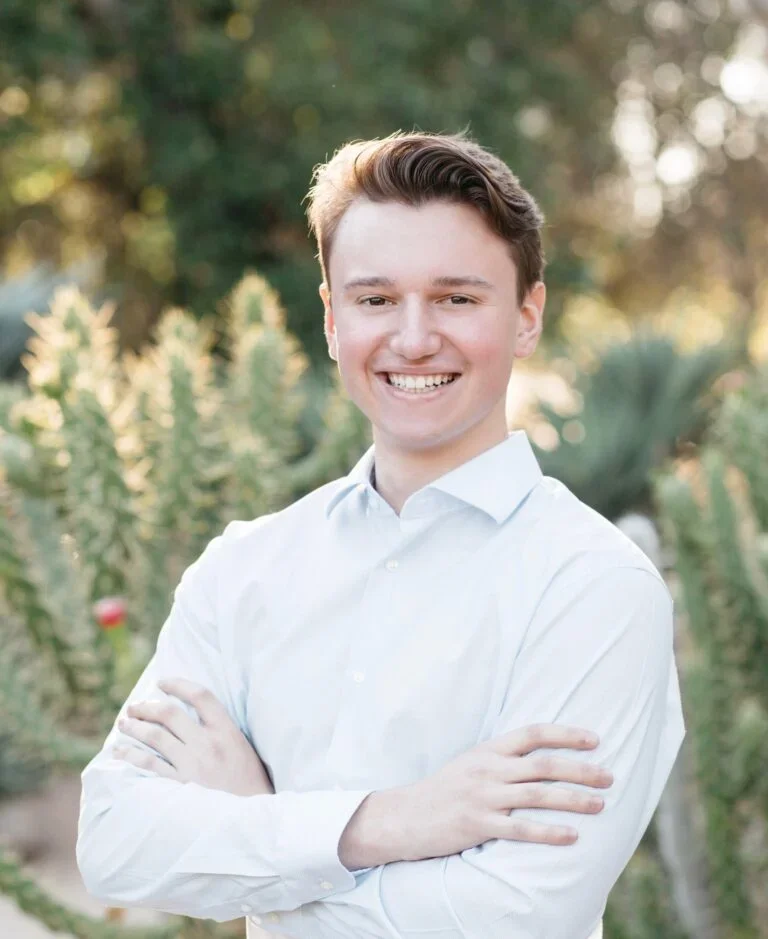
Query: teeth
[{"x": 418, "y": 382}]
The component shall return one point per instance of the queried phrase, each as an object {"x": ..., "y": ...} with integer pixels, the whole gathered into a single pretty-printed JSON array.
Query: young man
[{"x": 408, "y": 649}]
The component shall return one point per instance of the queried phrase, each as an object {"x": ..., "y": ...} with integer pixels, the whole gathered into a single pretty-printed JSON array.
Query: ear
[
  {"x": 530, "y": 321},
  {"x": 328, "y": 322}
]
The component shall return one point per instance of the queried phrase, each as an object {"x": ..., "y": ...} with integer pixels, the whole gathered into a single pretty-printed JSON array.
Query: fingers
[
  {"x": 144, "y": 760},
  {"x": 152, "y": 734},
  {"x": 544, "y": 796},
  {"x": 516, "y": 829},
  {"x": 204, "y": 701},
  {"x": 548, "y": 766},
  {"x": 523, "y": 740},
  {"x": 167, "y": 714}
]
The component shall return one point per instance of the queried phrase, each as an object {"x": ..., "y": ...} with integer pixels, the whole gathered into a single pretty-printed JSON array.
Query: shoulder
[
  {"x": 266, "y": 537},
  {"x": 570, "y": 546},
  {"x": 586, "y": 585}
]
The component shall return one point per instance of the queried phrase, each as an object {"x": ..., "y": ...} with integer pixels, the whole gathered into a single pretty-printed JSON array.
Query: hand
[
  {"x": 214, "y": 754},
  {"x": 468, "y": 801}
]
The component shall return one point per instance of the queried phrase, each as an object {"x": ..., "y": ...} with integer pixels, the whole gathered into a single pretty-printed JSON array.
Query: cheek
[
  {"x": 491, "y": 363},
  {"x": 356, "y": 345},
  {"x": 494, "y": 340},
  {"x": 489, "y": 351}
]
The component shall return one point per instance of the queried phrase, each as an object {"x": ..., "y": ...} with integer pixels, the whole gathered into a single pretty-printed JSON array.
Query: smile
[{"x": 428, "y": 393}]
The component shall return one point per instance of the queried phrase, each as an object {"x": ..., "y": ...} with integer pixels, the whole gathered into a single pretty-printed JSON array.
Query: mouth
[{"x": 427, "y": 393}]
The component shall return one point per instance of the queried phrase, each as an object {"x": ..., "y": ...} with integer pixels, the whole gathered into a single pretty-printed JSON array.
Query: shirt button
[
  {"x": 361, "y": 487},
  {"x": 273, "y": 917},
  {"x": 245, "y": 908},
  {"x": 256, "y": 920},
  {"x": 326, "y": 885},
  {"x": 392, "y": 565},
  {"x": 358, "y": 677},
  {"x": 337, "y": 786}
]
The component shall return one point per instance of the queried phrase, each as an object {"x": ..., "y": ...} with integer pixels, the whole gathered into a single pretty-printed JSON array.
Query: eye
[
  {"x": 460, "y": 297},
  {"x": 365, "y": 300}
]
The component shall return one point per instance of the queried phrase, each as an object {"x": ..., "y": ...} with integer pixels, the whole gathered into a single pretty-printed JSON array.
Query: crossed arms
[{"x": 154, "y": 842}]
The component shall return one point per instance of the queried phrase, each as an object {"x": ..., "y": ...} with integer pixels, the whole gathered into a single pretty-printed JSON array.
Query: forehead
[{"x": 402, "y": 237}]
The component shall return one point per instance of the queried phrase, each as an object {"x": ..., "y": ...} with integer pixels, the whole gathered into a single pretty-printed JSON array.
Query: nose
[{"x": 416, "y": 336}]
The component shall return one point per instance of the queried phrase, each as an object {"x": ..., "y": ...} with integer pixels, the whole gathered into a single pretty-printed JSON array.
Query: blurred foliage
[
  {"x": 713, "y": 513},
  {"x": 182, "y": 137},
  {"x": 640, "y": 905},
  {"x": 691, "y": 124},
  {"x": 638, "y": 405},
  {"x": 178, "y": 140}
]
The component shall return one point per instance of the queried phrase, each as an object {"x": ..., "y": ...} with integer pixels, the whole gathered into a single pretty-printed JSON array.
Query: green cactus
[
  {"x": 263, "y": 392},
  {"x": 115, "y": 471},
  {"x": 712, "y": 515},
  {"x": 741, "y": 431}
]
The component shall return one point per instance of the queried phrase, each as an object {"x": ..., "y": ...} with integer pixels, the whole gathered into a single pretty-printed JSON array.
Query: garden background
[{"x": 163, "y": 367}]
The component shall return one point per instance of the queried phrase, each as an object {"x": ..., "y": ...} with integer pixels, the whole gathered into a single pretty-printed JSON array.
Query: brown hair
[{"x": 415, "y": 168}]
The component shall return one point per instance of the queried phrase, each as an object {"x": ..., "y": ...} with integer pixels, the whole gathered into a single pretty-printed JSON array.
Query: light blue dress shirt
[{"x": 359, "y": 650}]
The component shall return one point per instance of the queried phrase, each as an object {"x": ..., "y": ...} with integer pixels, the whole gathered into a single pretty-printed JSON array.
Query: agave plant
[{"x": 640, "y": 404}]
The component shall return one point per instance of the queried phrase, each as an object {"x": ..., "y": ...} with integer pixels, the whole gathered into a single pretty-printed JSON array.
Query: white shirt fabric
[{"x": 359, "y": 650}]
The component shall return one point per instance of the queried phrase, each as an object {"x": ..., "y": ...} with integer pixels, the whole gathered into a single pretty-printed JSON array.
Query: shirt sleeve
[
  {"x": 598, "y": 654},
  {"x": 148, "y": 841}
]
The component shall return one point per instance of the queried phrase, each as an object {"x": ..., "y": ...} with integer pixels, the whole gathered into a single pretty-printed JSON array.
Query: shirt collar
[{"x": 495, "y": 481}]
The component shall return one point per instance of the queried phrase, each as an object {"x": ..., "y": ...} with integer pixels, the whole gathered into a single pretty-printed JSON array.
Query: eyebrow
[{"x": 467, "y": 280}]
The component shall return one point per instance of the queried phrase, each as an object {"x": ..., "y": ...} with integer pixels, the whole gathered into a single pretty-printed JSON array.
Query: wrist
[{"x": 374, "y": 834}]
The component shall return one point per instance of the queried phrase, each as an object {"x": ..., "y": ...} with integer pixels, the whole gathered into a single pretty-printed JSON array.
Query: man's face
[{"x": 404, "y": 319}]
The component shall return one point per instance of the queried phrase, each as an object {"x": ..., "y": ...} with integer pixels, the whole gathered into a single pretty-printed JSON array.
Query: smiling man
[{"x": 404, "y": 653}]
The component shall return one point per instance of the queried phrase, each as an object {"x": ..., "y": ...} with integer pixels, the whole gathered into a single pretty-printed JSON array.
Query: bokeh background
[{"x": 172, "y": 375}]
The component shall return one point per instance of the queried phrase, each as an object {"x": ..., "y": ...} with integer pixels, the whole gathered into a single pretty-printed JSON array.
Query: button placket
[
  {"x": 356, "y": 674},
  {"x": 376, "y": 595}
]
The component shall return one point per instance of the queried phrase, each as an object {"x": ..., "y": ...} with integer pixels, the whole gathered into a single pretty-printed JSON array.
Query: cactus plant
[
  {"x": 712, "y": 513},
  {"x": 115, "y": 471}
]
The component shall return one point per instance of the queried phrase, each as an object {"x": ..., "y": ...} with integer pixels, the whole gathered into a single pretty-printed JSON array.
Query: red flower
[{"x": 110, "y": 612}]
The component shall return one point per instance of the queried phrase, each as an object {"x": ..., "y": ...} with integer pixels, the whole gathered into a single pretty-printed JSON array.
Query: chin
[{"x": 418, "y": 438}]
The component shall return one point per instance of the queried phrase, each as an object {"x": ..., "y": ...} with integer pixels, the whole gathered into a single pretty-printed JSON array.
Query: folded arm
[
  {"x": 182, "y": 848},
  {"x": 618, "y": 678}
]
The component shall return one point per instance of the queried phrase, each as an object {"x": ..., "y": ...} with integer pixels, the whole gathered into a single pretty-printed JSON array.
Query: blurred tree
[
  {"x": 182, "y": 137},
  {"x": 691, "y": 125},
  {"x": 179, "y": 139}
]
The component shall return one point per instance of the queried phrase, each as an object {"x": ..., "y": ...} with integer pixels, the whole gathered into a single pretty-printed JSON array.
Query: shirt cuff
[
  {"x": 289, "y": 838},
  {"x": 313, "y": 828}
]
